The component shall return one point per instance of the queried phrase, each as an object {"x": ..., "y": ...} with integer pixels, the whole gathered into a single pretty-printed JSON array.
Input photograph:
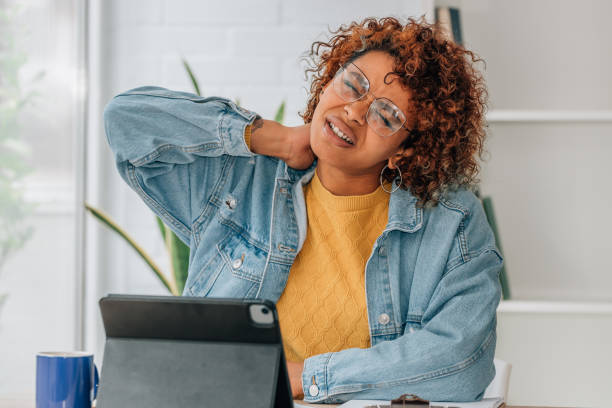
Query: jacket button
[
  {"x": 237, "y": 263},
  {"x": 383, "y": 319},
  {"x": 313, "y": 390},
  {"x": 231, "y": 203}
]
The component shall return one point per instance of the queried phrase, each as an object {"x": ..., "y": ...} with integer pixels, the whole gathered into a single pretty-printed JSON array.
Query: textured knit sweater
[{"x": 323, "y": 307}]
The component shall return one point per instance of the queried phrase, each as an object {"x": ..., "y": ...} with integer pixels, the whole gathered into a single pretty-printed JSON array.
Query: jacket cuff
[
  {"x": 233, "y": 129},
  {"x": 314, "y": 377}
]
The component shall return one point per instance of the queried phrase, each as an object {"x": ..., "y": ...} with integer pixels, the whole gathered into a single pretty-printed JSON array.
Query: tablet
[{"x": 167, "y": 351}]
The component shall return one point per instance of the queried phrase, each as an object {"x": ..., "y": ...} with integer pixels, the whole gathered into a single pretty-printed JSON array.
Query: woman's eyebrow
[{"x": 384, "y": 81}]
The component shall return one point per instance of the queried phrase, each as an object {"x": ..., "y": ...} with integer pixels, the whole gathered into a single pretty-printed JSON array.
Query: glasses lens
[
  {"x": 384, "y": 117},
  {"x": 350, "y": 84}
]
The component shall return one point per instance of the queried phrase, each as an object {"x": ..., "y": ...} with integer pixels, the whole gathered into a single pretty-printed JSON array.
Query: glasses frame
[{"x": 334, "y": 82}]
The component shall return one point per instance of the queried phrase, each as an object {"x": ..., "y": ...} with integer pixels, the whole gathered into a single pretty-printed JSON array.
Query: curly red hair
[{"x": 448, "y": 97}]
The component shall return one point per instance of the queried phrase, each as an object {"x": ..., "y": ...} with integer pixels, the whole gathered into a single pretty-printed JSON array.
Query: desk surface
[
  {"x": 14, "y": 403},
  {"x": 329, "y": 405}
]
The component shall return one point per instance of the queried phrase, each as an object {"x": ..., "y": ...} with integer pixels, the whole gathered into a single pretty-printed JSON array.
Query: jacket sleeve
[
  {"x": 160, "y": 139},
  {"x": 449, "y": 359}
]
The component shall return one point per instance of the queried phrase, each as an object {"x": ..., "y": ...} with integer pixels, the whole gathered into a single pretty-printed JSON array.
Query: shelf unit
[
  {"x": 559, "y": 350},
  {"x": 598, "y": 116},
  {"x": 545, "y": 307}
]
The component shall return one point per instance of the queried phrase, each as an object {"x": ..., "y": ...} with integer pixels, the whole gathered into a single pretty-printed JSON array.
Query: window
[{"x": 41, "y": 103}]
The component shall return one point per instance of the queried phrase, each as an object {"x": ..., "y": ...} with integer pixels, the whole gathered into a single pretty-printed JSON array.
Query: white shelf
[
  {"x": 501, "y": 115},
  {"x": 544, "y": 307}
]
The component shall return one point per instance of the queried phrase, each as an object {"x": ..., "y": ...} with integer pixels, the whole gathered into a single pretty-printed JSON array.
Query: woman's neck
[{"x": 341, "y": 183}]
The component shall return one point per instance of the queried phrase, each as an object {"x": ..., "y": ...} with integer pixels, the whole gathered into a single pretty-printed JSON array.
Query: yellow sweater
[{"x": 323, "y": 307}]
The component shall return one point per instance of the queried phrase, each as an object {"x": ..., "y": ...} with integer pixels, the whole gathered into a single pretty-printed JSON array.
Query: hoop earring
[{"x": 393, "y": 182}]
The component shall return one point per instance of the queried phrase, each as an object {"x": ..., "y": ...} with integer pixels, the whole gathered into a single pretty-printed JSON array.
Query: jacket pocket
[{"x": 234, "y": 270}]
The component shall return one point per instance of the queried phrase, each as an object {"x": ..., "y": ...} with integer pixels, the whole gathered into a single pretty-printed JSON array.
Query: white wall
[{"x": 560, "y": 353}]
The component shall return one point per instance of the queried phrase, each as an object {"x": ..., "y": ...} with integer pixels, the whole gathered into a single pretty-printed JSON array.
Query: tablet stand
[{"x": 141, "y": 371}]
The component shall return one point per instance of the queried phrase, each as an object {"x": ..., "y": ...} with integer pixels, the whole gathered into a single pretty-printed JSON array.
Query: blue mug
[{"x": 65, "y": 379}]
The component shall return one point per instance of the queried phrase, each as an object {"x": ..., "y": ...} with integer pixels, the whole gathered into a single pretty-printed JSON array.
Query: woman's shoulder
[
  {"x": 462, "y": 199},
  {"x": 474, "y": 228},
  {"x": 463, "y": 208}
]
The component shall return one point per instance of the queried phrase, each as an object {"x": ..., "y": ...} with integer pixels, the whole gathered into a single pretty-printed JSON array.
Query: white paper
[
  {"x": 484, "y": 403},
  {"x": 363, "y": 403}
]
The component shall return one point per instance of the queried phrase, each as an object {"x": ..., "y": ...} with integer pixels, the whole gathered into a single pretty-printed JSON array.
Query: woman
[{"x": 360, "y": 225}]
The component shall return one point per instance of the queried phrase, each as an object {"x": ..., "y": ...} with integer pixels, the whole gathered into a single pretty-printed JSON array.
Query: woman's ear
[{"x": 400, "y": 154}]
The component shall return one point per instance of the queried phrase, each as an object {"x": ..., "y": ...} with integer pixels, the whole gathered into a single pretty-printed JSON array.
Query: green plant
[
  {"x": 14, "y": 229},
  {"x": 177, "y": 251}
]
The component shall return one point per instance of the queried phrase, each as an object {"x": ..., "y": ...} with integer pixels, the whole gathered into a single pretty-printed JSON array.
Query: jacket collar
[{"x": 403, "y": 214}]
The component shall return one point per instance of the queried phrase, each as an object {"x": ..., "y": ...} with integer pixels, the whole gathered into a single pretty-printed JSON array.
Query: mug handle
[{"x": 96, "y": 381}]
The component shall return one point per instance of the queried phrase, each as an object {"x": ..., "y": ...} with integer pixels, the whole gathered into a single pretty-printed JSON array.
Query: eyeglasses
[{"x": 383, "y": 116}]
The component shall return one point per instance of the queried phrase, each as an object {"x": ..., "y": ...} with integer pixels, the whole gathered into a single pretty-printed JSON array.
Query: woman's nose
[{"x": 357, "y": 110}]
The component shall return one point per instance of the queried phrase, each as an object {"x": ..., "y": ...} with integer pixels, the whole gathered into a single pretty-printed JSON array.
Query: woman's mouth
[{"x": 338, "y": 133}]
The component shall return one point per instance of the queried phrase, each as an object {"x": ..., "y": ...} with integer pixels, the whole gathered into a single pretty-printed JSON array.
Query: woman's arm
[
  {"x": 172, "y": 147},
  {"x": 449, "y": 358},
  {"x": 158, "y": 138}
]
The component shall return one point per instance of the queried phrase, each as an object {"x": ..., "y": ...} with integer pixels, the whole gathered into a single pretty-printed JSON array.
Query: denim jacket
[{"x": 432, "y": 286}]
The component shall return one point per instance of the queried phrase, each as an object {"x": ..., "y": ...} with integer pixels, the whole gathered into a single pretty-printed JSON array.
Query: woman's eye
[
  {"x": 381, "y": 118},
  {"x": 352, "y": 88}
]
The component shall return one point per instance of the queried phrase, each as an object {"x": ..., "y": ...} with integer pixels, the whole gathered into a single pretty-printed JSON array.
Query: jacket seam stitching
[
  {"x": 202, "y": 147},
  {"x": 472, "y": 255},
  {"x": 386, "y": 332},
  {"x": 220, "y": 128},
  {"x": 212, "y": 200},
  {"x": 326, "y": 372},
  {"x": 240, "y": 231},
  {"x": 198, "y": 99},
  {"x": 463, "y": 242},
  {"x": 455, "y": 206},
  {"x": 412, "y": 318}
]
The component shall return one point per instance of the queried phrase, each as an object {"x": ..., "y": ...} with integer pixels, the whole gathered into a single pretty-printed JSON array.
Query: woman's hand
[
  {"x": 300, "y": 155},
  {"x": 295, "y": 378},
  {"x": 290, "y": 144}
]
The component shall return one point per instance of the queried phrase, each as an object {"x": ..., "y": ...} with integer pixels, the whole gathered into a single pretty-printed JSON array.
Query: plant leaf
[
  {"x": 280, "y": 113},
  {"x": 109, "y": 222},
  {"x": 194, "y": 81},
  {"x": 178, "y": 253},
  {"x": 179, "y": 258},
  {"x": 162, "y": 227}
]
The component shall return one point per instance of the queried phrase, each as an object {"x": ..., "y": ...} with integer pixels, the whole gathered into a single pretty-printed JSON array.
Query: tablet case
[{"x": 164, "y": 351}]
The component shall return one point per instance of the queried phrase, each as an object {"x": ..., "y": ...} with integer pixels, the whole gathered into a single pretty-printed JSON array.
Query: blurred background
[{"x": 546, "y": 173}]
